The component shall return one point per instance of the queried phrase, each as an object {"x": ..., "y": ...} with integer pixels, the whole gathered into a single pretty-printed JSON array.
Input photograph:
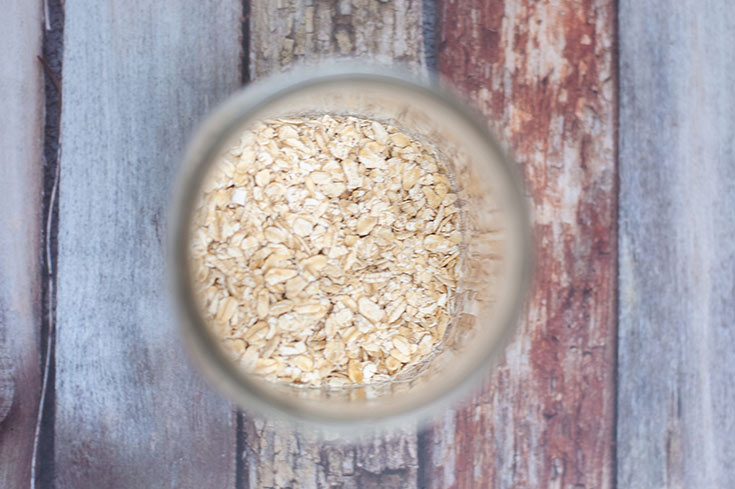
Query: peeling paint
[{"x": 542, "y": 72}]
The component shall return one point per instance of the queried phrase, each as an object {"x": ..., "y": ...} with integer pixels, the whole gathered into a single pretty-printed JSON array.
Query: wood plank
[
  {"x": 278, "y": 457},
  {"x": 543, "y": 74},
  {"x": 677, "y": 257},
  {"x": 297, "y": 32},
  {"x": 21, "y": 143},
  {"x": 130, "y": 411},
  {"x": 293, "y": 32}
]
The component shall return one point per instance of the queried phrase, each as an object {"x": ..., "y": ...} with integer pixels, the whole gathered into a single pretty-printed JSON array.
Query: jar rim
[{"x": 208, "y": 142}]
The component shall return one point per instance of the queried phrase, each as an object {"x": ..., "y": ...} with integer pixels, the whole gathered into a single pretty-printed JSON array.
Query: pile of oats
[{"x": 326, "y": 250}]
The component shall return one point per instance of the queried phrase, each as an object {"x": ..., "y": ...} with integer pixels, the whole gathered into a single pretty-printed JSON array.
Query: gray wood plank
[
  {"x": 284, "y": 33},
  {"x": 130, "y": 411},
  {"x": 677, "y": 254},
  {"x": 21, "y": 142},
  {"x": 302, "y": 32}
]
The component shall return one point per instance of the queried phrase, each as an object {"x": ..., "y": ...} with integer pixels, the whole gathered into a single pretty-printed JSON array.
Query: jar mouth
[{"x": 253, "y": 104}]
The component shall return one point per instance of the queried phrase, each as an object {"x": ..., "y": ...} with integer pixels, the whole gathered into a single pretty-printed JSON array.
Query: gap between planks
[{"x": 51, "y": 59}]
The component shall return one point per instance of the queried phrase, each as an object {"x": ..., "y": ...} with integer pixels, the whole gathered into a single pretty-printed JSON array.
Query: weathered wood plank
[
  {"x": 542, "y": 72},
  {"x": 677, "y": 257},
  {"x": 294, "y": 32},
  {"x": 130, "y": 412},
  {"x": 291, "y": 32},
  {"x": 278, "y": 457},
  {"x": 21, "y": 143}
]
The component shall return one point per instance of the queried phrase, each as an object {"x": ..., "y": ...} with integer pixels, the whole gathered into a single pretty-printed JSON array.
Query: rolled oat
[{"x": 325, "y": 250}]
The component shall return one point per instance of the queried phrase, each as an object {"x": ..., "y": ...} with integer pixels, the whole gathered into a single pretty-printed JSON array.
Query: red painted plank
[{"x": 543, "y": 74}]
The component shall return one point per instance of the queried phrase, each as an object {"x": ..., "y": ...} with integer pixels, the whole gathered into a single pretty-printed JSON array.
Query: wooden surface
[
  {"x": 543, "y": 73},
  {"x": 21, "y": 142},
  {"x": 677, "y": 258},
  {"x": 296, "y": 32},
  {"x": 130, "y": 411},
  {"x": 291, "y": 32}
]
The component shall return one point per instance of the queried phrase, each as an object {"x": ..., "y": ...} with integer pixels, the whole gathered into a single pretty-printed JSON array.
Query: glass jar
[{"x": 495, "y": 248}]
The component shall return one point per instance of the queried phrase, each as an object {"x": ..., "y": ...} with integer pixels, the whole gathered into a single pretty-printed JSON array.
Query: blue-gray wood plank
[
  {"x": 130, "y": 411},
  {"x": 676, "y": 357},
  {"x": 21, "y": 141}
]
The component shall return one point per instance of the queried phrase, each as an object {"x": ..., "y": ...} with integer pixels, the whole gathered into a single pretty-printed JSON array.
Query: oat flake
[{"x": 324, "y": 250}]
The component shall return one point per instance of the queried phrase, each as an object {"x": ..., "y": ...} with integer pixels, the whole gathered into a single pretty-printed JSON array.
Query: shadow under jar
[{"x": 493, "y": 248}]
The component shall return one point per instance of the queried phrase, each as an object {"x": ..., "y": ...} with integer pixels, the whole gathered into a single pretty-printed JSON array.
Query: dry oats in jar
[{"x": 326, "y": 250}]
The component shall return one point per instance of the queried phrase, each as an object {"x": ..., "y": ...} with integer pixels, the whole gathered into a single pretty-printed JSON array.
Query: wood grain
[
  {"x": 296, "y": 32},
  {"x": 543, "y": 74},
  {"x": 21, "y": 143},
  {"x": 293, "y": 32},
  {"x": 278, "y": 457},
  {"x": 130, "y": 412},
  {"x": 677, "y": 257}
]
